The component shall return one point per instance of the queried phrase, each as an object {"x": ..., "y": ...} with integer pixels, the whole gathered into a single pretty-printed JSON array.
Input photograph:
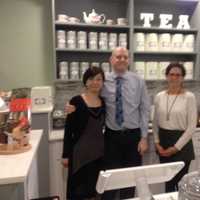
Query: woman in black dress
[{"x": 83, "y": 139}]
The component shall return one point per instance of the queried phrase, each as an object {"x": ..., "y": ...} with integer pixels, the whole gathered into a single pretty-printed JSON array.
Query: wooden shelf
[{"x": 164, "y": 30}]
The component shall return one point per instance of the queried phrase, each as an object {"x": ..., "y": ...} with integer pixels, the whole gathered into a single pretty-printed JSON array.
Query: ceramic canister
[
  {"x": 71, "y": 39},
  {"x": 83, "y": 67},
  {"x": 81, "y": 40},
  {"x": 140, "y": 69},
  {"x": 151, "y": 70},
  {"x": 74, "y": 70},
  {"x": 162, "y": 68},
  {"x": 61, "y": 39},
  {"x": 177, "y": 42},
  {"x": 63, "y": 70},
  {"x": 151, "y": 43},
  {"x": 189, "y": 67},
  {"x": 112, "y": 41},
  {"x": 139, "y": 41},
  {"x": 95, "y": 64},
  {"x": 93, "y": 40},
  {"x": 106, "y": 67},
  {"x": 123, "y": 40},
  {"x": 188, "y": 43},
  {"x": 103, "y": 41},
  {"x": 165, "y": 42}
]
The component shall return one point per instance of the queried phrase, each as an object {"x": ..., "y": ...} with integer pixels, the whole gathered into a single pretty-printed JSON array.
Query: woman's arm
[{"x": 191, "y": 122}]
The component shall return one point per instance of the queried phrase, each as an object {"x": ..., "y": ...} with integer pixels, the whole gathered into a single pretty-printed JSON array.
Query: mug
[
  {"x": 73, "y": 20},
  {"x": 121, "y": 21},
  {"x": 62, "y": 18},
  {"x": 109, "y": 21}
]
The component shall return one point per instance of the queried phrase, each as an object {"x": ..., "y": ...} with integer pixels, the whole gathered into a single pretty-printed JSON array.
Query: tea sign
[{"x": 165, "y": 20}]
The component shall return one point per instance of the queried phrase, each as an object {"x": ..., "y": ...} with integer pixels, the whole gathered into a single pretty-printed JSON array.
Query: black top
[{"x": 76, "y": 123}]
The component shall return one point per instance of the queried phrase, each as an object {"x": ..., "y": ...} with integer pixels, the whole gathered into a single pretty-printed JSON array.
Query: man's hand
[
  {"x": 65, "y": 162},
  {"x": 170, "y": 151},
  {"x": 142, "y": 146},
  {"x": 69, "y": 108}
]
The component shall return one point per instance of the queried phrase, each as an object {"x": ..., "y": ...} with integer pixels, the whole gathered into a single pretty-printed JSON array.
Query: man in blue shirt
[{"x": 127, "y": 117}]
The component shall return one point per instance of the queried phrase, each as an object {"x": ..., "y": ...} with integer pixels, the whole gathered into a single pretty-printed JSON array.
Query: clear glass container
[{"x": 189, "y": 186}]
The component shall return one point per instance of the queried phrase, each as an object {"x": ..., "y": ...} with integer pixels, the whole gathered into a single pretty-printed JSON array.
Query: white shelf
[
  {"x": 164, "y": 30},
  {"x": 163, "y": 53}
]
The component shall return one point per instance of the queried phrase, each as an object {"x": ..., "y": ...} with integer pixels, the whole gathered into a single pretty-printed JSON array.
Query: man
[{"x": 127, "y": 116}]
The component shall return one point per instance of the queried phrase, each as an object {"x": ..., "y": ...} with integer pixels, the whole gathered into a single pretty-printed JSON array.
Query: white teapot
[{"x": 94, "y": 18}]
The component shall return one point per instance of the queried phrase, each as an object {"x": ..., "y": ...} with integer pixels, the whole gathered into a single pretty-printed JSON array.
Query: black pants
[
  {"x": 169, "y": 138},
  {"x": 121, "y": 151}
]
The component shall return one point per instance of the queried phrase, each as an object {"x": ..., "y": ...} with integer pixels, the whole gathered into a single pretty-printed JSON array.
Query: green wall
[{"x": 26, "y": 57}]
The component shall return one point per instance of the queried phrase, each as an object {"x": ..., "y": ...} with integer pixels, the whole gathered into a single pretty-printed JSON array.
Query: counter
[
  {"x": 167, "y": 196},
  {"x": 15, "y": 171}
]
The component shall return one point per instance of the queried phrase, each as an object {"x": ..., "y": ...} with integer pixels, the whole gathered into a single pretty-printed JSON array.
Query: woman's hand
[
  {"x": 170, "y": 151},
  {"x": 159, "y": 148},
  {"x": 69, "y": 108},
  {"x": 65, "y": 162}
]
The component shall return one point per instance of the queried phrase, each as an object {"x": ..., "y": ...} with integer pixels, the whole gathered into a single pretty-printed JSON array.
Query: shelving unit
[{"x": 131, "y": 10}]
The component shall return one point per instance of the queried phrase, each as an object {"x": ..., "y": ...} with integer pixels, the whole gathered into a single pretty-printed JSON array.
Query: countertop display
[{"x": 15, "y": 168}]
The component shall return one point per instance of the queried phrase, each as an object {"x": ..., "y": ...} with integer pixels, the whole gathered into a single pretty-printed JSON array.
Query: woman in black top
[{"x": 83, "y": 140}]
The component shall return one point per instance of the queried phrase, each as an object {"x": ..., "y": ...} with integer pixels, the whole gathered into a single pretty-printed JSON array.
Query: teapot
[{"x": 94, "y": 18}]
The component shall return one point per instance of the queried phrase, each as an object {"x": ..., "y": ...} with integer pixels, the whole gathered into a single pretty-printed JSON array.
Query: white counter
[
  {"x": 167, "y": 196},
  {"x": 15, "y": 169}
]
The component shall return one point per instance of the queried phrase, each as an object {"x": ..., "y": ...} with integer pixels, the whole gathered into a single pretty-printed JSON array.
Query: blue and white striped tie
[{"x": 119, "y": 118}]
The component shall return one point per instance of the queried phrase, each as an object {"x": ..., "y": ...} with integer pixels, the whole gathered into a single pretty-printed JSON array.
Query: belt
[{"x": 122, "y": 131}]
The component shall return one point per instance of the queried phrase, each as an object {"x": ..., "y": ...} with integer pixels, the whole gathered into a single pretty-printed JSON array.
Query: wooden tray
[{"x": 7, "y": 149}]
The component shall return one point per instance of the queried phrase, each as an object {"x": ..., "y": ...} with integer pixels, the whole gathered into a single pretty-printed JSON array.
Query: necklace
[{"x": 169, "y": 109}]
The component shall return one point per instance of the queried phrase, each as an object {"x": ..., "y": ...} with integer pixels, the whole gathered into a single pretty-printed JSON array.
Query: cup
[
  {"x": 62, "y": 18},
  {"x": 109, "y": 21},
  {"x": 121, "y": 21},
  {"x": 73, "y": 20}
]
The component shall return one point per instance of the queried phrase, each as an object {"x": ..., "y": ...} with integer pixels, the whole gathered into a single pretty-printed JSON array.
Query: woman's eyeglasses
[{"x": 176, "y": 75}]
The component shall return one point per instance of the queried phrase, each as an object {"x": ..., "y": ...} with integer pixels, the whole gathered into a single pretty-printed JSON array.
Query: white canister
[
  {"x": 71, "y": 39},
  {"x": 82, "y": 40},
  {"x": 112, "y": 41},
  {"x": 177, "y": 42},
  {"x": 140, "y": 69},
  {"x": 93, "y": 40},
  {"x": 63, "y": 70},
  {"x": 103, "y": 41},
  {"x": 74, "y": 71},
  {"x": 83, "y": 67},
  {"x": 106, "y": 67},
  {"x": 188, "y": 43},
  {"x": 162, "y": 69},
  {"x": 189, "y": 67},
  {"x": 139, "y": 41},
  {"x": 151, "y": 70},
  {"x": 61, "y": 39},
  {"x": 151, "y": 43},
  {"x": 95, "y": 64},
  {"x": 165, "y": 42},
  {"x": 123, "y": 40}
]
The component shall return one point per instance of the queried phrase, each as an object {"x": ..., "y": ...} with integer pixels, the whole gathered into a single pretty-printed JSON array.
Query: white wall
[{"x": 26, "y": 57}]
